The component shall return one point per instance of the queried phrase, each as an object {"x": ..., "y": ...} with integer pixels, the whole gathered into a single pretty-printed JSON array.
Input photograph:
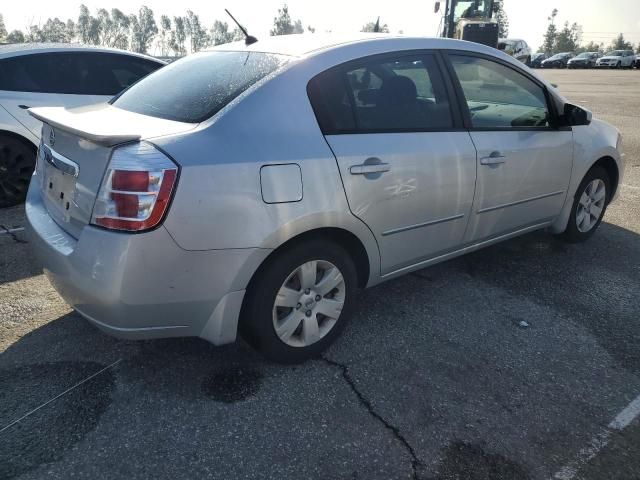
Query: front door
[
  {"x": 408, "y": 174},
  {"x": 524, "y": 163}
]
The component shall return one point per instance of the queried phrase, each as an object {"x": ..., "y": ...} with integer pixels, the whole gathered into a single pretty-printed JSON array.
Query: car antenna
[{"x": 248, "y": 39}]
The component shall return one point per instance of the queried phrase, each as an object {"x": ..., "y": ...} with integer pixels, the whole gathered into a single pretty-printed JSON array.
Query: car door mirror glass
[{"x": 576, "y": 115}]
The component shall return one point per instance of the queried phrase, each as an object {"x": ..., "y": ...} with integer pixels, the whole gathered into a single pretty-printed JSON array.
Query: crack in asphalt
[
  {"x": 12, "y": 234},
  {"x": 415, "y": 462}
]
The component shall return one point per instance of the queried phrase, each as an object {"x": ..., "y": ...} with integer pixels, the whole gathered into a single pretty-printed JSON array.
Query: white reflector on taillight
[{"x": 136, "y": 188}]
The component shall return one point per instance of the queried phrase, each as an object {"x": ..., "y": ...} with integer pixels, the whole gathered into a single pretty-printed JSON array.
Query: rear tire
[
  {"x": 589, "y": 206},
  {"x": 17, "y": 161},
  {"x": 282, "y": 314}
]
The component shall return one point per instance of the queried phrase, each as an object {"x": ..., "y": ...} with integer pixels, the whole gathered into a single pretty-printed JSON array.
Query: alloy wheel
[
  {"x": 309, "y": 303},
  {"x": 591, "y": 204}
]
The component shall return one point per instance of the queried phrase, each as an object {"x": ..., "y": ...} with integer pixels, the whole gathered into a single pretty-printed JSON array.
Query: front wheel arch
[{"x": 611, "y": 167}]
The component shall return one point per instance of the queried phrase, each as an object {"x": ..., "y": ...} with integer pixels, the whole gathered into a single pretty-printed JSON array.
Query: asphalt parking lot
[{"x": 520, "y": 361}]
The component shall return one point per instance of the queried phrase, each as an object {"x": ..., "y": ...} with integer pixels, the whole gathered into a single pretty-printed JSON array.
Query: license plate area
[{"x": 59, "y": 184}]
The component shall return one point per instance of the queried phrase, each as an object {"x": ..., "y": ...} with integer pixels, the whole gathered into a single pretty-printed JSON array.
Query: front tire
[
  {"x": 17, "y": 161},
  {"x": 589, "y": 206},
  {"x": 299, "y": 301}
]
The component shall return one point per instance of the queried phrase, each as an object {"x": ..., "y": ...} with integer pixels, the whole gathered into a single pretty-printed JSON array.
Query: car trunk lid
[{"x": 75, "y": 151}]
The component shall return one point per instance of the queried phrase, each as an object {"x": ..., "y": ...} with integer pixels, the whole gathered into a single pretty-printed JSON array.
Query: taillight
[{"x": 136, "y": 188}]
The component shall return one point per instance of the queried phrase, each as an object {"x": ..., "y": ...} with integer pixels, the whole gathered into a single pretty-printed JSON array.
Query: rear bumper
[{"x": 142, "y": 286}]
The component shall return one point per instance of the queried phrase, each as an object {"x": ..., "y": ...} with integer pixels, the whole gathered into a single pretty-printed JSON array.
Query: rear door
[
  {"x": 524, "y": 162},
  {"x": 407, "y": 165},
  {"x": 65, "y": 79}
]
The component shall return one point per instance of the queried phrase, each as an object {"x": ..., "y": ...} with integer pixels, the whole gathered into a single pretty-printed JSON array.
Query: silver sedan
[{"x": 255, "y": 189}]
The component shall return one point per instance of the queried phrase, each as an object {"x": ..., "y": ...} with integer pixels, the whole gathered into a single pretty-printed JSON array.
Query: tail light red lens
[{"x": 136, "y": 189}]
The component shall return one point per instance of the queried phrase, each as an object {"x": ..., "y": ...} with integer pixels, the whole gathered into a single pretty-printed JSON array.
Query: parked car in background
[
  {"x": 39, "y": 75},
  {"x": 617, "y": 59},
  {"x": 583, "y": 60},
  {"x": 257, "y": 189},
  {"x": 517, "y": 48},
  {"x": 537, "y": 59},
  {"x": 559, "y": 60}
]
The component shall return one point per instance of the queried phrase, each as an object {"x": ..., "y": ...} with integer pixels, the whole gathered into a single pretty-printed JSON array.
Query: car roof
[
  {"x": 19, "y": 49},
  {"x": 305, "y": 44}
]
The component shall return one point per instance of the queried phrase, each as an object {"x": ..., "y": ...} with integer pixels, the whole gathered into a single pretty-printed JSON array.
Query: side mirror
[
  {"x": 575, "y": 115},
  {"x": 436, "y": 7}
]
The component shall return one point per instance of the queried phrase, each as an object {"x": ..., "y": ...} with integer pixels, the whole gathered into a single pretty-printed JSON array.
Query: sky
[{"x": 601, "y": 20}]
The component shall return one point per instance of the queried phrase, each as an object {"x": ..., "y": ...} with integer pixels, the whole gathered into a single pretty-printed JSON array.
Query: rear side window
[
  {"x": 197, "y": 87},
  {"x": 77, "y": 73},
  {"x": 382, "y": 95},
  {"x": 109, "y": 74}
]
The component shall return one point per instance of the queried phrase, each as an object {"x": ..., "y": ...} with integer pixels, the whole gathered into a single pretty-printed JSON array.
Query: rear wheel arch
[
  {"x": 339, "y": 236},
  {"x": 17, "y": 161},
  {"x": 20, "y": 138}
]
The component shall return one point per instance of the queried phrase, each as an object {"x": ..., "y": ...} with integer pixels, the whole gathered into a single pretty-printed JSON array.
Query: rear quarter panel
[{"x": 218, "y": 203}]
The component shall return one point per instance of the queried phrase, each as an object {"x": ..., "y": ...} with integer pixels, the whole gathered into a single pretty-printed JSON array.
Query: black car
[
  {"x": 583, "y": 60},
  {"x": 537, "y": 59},
  {"x": 559, "y": 60}
]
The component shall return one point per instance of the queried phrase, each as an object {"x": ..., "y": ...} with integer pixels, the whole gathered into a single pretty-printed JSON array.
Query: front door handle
[
  {"x": 494, "y": 158},
  {"x": 367, "y": 168},
  {"x": 24, "y": 107}
]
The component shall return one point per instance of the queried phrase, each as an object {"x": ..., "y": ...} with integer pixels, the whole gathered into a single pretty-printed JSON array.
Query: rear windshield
[{"x": 197, "y": 87}]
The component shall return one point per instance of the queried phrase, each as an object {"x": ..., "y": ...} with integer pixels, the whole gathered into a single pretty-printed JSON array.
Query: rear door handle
[
  {"x": 367, "y": 168},
  {"x": 494, "y": 158},
  {"x": 24, "y": 107}
]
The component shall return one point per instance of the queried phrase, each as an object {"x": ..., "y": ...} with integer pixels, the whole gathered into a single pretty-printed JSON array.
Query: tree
[
  {"x": 220, "y": 33},
  {"x": 16, "y": 36},
  {"x": 88, "y": 27},
  {"x": 568, "y": 39},
  {"x": 54, "y": 30},
  {"x": 178, "y": 36},
  {"x": 197, "y": 35},
  {"x": 119, "y": 29},
  {"x": 113, "y": 28},
  {"x": 549, "y": 43},
  {"x": 502, "y": 19},
  {"x": 3, "y": 29},
  {"x": 619, "y": 43},
  {"x": 143, "y": 30},
  {"x": 165, "y": 35},
  {"x": 34, "y": 34},
  {"x": 591, "y": 47},
  {"x": 372, "y": 26},
  {"x": 638, "y": 49},
  {"x": 282, "y": 24}
]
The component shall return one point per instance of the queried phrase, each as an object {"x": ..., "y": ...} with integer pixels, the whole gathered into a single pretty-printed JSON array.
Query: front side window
[
  {"x": 382, "y": 95},
  {"x": 498, "y": 96},
  {"x": 195, "y": 88}
]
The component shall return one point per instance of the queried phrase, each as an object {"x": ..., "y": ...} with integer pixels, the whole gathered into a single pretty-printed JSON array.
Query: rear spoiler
[{"x": 93, "y": 123}]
